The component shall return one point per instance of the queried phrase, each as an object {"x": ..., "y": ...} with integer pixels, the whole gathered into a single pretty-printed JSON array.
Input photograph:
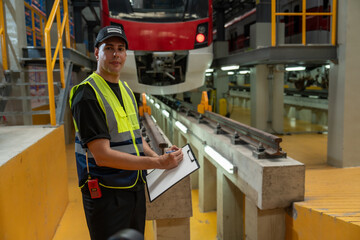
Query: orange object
[
  {"x": 204, "y": 104},
  {"x": 144, "y": 108}
]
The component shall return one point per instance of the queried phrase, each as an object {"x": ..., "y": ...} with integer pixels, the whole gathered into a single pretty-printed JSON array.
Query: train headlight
[{"x": 201, "y": 29}]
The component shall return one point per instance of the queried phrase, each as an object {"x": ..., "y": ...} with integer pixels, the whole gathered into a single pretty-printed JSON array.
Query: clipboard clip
[{"x": 190, "y": 155}]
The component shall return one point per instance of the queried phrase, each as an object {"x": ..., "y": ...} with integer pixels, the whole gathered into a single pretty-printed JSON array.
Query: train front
[{"x": 170, "y": 42}]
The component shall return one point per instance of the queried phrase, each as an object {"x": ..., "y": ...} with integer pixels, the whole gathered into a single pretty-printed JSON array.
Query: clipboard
[{"x": 159, "y": 181}]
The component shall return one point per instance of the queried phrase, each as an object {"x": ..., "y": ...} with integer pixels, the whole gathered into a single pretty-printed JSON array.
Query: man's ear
[{"x": 96, "y": 53}]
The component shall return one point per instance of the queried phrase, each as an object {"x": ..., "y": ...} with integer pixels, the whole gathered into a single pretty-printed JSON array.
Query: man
[{"x": 111, "y": 154}]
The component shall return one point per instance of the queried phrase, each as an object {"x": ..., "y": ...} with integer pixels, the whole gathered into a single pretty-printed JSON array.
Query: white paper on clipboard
[{"x": 160, "y": 180}]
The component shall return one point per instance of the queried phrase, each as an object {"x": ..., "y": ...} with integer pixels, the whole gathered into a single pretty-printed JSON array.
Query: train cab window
[{"x": 159, "y": 10}]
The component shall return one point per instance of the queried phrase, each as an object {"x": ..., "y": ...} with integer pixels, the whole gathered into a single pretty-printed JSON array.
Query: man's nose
[{"x": 116, "y": 52}]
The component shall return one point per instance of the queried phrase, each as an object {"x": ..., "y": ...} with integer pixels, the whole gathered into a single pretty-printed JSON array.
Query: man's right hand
[{"x": 171, "y": 160}]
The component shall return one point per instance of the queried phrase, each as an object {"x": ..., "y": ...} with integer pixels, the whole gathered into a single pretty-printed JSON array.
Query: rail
[
  {"x": 266, "y": 145},
  {"x": 51, "y": 60},
  {"x": 158, "y": 143},
  {"x": 303, "y": 14},
  {"x": 3, "y": 38}
]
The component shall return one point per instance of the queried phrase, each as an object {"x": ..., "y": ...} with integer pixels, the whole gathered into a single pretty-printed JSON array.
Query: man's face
[{"x": 111, "y": 55}]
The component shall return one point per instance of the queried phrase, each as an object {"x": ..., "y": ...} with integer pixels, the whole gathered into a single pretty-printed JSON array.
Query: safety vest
[{"x": 125, "y": 135}]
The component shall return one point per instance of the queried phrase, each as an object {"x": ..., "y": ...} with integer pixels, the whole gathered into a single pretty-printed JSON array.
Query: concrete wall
[{"x": 34, "y": 187}]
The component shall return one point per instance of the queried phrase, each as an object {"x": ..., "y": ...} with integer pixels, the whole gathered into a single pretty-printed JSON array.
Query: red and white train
[{"x": 170, "y": 42}]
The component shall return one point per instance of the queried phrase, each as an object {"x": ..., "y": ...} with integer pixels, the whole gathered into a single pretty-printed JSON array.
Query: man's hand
[{"x": 171, "y": 160}]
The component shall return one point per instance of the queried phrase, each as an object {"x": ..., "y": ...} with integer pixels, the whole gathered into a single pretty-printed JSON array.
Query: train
[
  {"x": 170, "y": 42},
  {"x": 237, "y": 31}
]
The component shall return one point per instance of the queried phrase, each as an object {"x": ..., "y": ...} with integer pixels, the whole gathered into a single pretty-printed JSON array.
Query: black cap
[{"x": 108, "y": 32}]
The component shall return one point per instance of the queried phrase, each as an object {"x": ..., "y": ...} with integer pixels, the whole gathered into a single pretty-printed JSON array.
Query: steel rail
[
  {"x": 156, "y": 140},
  {"x": 267, "y": 145},
  {"x": 263, "y": 141}
]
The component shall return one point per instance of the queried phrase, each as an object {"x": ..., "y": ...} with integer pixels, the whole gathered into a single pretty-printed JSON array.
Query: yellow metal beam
[
  {"x": 3, "y": 38},
  {"x": 333, "y": 27},
  {"x": 273, "y": 23},
  {"x": 51, "y": 60},
  {"x": 303, "y": 39}
]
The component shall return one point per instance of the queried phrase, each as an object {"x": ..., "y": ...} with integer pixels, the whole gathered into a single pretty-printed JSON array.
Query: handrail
[
  {"x": 34, "y": 12},
  {"x": 50, "y": 64},
  {"x": 303, "y": 14},
  {"x": 3, "y": 38}
]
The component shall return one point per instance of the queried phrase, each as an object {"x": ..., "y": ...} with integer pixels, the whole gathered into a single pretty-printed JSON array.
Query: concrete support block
[
  {"x": 303, "y": 114},
  {"x": 319, "y": 117},
  {"x": 237, "y": 101},
  {"x": 230, "y": 209},
  {"x": 175, "y": 229},
  {"x": 267, "y": 87},
  {"x": 290, "y": 111},
  {"x": 207, "y": 185},
  {"x": 194, "y": 177},
  {"x": 263, "y": 224}
]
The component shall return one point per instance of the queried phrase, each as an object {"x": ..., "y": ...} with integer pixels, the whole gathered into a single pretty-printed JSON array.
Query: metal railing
[
  {"x": 303, "y": 14},
  {"x": 42, "y": 18},
  {"x": 51, "y": 60},
  {"x": 3, "y": 38}
]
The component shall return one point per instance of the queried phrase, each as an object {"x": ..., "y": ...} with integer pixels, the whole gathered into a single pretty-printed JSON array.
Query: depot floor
[{"x": 307, "y": 148}]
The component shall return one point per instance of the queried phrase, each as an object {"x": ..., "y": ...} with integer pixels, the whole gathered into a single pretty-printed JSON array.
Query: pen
[{"x": 167, "y": 152}]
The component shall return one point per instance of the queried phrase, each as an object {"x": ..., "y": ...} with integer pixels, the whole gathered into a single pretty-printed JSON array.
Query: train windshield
[{"x": 159, "y": 10}]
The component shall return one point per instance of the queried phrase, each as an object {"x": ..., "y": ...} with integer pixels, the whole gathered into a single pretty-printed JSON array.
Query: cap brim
[{"x": 107, "y": 37}]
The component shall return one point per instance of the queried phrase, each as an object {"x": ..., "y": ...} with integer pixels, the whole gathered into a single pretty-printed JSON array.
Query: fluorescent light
[
  {"x": 208, "y": 74},
  {"x": 295, "y": 69},
  {"x": 327, "y": 66},
  {"x": 181, "y": 126},
  {"x": 153, "y": 118},
  {"x": 152, "y": 100},
  {"x": 223, "y": 162},
  {"x": 230, "y": 73},
  {"x": 244, "y": 71},
  {"x": 209, "y": 70},
  {"x": 228, "y": 68},
  {"x": 157, "y": 105},
  {"x": 166, "y": 113}
]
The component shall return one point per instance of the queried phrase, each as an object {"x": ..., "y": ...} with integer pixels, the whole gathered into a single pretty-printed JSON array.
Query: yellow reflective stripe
[{"x": 137, "y": 178}]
